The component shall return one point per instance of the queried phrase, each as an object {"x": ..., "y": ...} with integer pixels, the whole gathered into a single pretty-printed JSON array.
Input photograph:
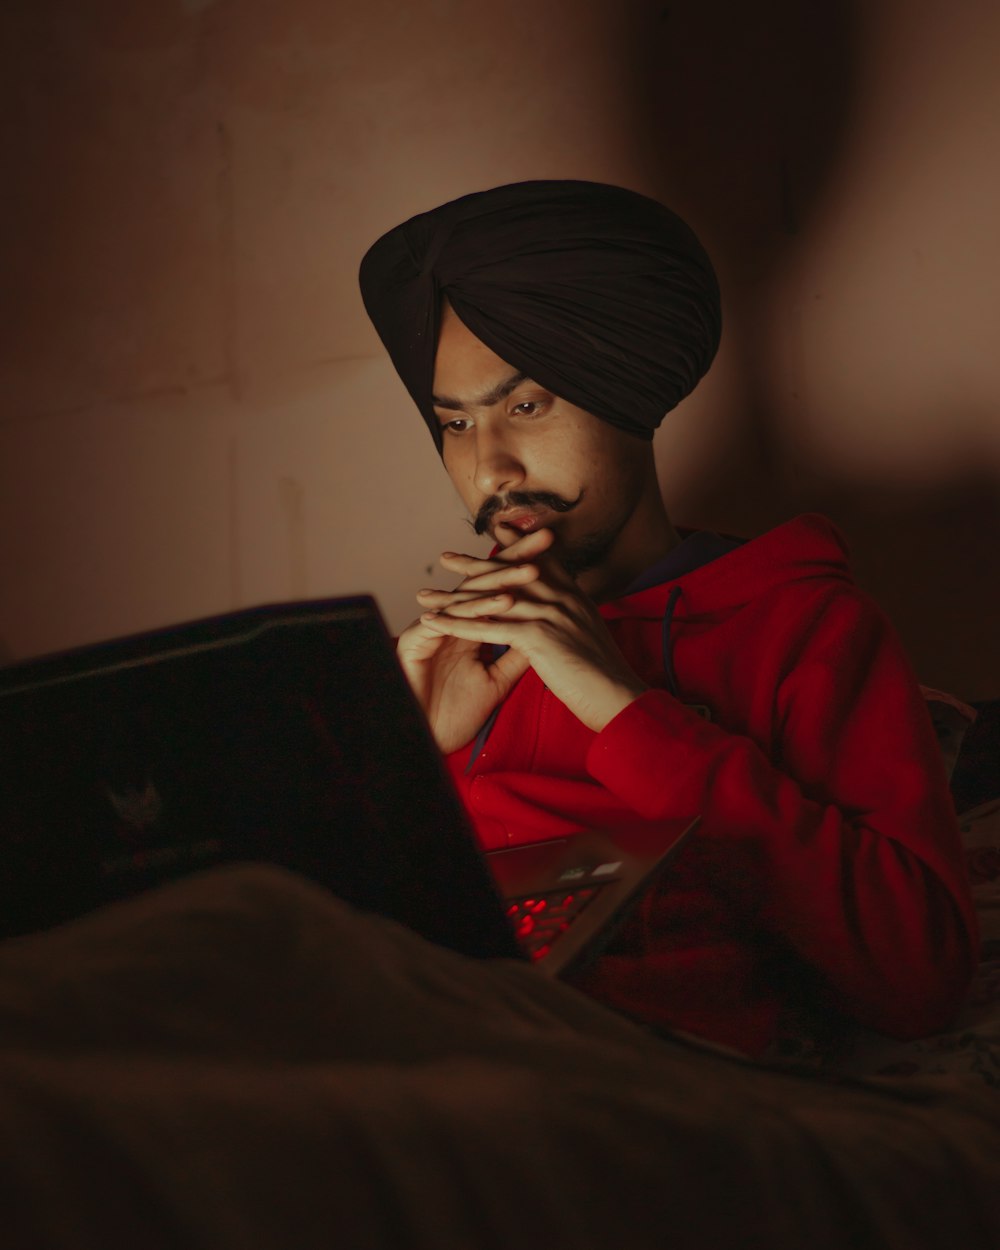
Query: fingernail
[{"x": 448, "y": 555}]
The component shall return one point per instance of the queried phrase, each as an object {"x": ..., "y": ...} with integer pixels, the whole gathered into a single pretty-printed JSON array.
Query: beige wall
[{"x": 197, "y": 416}]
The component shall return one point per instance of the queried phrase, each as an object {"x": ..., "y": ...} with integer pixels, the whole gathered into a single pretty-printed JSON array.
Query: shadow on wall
[
  {"x": 750, "y": 110},
  {"x": 929, "y": 556}
]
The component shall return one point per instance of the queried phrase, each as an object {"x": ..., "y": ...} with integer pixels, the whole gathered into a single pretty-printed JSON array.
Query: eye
[
  {"x": 527, "y": 404},
  {"x": 450, "y": 427}
]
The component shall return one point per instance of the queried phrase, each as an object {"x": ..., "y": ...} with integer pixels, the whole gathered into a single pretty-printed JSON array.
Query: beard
[{"x": 588, "y": 552}]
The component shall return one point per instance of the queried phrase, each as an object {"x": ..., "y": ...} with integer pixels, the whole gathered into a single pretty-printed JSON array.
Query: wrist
[{"x": 611, "y": 702}]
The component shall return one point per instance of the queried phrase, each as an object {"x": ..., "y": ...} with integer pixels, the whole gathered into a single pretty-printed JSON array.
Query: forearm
[{"x": 874, "y": 898}]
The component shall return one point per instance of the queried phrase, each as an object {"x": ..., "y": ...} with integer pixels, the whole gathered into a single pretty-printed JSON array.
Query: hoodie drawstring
[{"x": 668, "y": 663}]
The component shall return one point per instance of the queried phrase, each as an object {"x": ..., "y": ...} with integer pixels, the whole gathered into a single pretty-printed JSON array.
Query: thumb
[
  {"x": 509, "y": 670},
  {"x": 417, "y": 643}
]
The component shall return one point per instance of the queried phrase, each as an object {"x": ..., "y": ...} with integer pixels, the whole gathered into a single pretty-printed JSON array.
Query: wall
[{"x": 195, "y": 414}]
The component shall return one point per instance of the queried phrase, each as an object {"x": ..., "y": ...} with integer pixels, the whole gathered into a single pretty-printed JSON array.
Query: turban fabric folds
[{"x": 599, "y": 294}]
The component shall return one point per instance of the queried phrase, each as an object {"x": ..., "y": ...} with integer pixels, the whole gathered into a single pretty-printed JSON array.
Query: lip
[{"x": 521, "y": 520}]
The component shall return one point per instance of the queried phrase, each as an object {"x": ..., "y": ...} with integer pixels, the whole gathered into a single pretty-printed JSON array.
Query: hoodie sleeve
[{"x": 837, "y": 821}]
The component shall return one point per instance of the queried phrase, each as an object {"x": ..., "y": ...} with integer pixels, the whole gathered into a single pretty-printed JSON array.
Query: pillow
[
  {"x": 981, "y": 839},
  {"x": 952, "y": 720},
  {"x": 976, "y": 776}
]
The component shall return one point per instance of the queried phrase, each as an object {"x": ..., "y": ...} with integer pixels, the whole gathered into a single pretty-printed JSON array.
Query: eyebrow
[{"x": 487, "y": 400}]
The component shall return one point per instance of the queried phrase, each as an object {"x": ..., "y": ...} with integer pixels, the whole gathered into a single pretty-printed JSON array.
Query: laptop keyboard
[{"x": 539, "y": 920}]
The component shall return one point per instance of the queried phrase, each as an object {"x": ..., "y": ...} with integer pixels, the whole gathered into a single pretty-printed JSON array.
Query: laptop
[{"x": 285, "y": 733}]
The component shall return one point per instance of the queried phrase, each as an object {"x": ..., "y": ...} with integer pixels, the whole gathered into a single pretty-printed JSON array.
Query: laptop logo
[{"x": 138, "y": 808}]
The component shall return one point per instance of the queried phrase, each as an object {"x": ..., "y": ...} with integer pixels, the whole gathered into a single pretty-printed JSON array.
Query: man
[{"x": 597, "y": 670}]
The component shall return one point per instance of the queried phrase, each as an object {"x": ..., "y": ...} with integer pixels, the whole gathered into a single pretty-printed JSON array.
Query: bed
[{"x": 241, "y": 1060}]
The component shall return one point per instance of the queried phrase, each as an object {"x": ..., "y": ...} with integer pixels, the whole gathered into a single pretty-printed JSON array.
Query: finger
[
  {"x": 543, "y": 579},
  {"x": 484, "y": 629},
  {"x": 478, "y": 605},
  {"x": 440, "y": 598},
  {"x": 502, "y": 607},
  {"x": 535, "y": 540},
  {"x": 528, "y": 546},
  {"x": 481, "y": 583},
  {"x": 485, "y": 575},
  {"x": 534, "y": 564},
  {"x": 534, "y": 543},
  {"x": 503, "y": 578},
  {"x": 471, "y": 566},
  {"x": 415, "y": 629},
  {"x": 417, "y": 642}
]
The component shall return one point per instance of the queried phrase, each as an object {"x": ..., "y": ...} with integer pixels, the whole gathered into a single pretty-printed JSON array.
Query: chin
[{"x": 586, "y": 555}]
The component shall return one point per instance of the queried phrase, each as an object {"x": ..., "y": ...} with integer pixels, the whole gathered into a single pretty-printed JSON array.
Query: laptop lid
[{"x": 285, "y": 733}]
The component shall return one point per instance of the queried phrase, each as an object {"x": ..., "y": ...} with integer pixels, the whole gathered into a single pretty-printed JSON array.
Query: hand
[
  {"x": 456, "y": 690},
  {"x": 546, "y": 620}
]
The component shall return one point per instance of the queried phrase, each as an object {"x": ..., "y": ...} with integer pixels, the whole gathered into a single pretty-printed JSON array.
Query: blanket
[{"x": 240, "y": 1060}]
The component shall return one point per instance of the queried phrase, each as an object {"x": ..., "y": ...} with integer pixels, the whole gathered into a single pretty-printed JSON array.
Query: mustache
[{"x": 521, "y": 499}]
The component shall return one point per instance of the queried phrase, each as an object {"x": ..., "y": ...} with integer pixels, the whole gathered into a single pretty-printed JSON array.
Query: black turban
[{"x": 600, "y": 295}]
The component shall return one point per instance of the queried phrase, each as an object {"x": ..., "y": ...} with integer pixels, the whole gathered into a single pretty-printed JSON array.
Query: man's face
[{"x": 522, "y": 458}]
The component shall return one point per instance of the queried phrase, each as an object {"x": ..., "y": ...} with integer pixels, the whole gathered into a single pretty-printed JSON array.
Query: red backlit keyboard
[{"x": 539, "y": 920}]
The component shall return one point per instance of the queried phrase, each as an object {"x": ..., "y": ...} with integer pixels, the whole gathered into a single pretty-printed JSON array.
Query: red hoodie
[{"x": 828, "y": 859}]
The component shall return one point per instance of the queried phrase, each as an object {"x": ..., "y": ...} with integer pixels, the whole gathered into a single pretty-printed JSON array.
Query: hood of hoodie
[{"x": 806, "y": 548}]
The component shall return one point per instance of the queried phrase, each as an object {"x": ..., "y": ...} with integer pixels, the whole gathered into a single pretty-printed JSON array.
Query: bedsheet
[{"x": 241, "y": 1060}]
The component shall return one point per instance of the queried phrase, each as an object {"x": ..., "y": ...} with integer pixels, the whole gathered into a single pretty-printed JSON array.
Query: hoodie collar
[
  {"x": 697, "y": 548},
  {"x": 809, "y": 546}
]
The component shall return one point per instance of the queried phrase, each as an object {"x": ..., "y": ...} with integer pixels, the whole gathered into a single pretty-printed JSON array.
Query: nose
[{"x": 498, "y": 468}]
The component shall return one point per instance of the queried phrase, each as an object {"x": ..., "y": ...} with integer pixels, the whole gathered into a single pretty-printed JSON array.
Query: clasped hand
[{"x": 524, "y": 599}]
